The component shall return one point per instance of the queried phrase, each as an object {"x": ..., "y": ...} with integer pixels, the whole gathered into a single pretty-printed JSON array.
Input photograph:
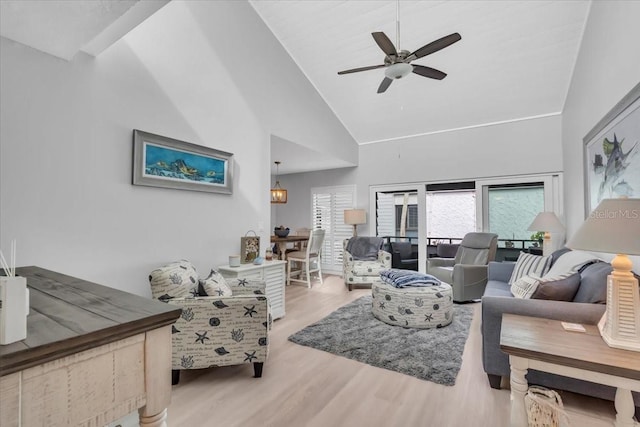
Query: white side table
[{"x": 272, "y": 272}]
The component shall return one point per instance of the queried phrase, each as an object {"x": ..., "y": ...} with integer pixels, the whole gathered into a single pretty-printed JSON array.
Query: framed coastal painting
[
  {"x": 612, "y": 153},
  {"x": 159, "y": 161}
]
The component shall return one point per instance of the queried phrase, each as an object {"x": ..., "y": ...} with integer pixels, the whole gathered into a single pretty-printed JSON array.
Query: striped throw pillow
[{"x": 530, "y": 265}]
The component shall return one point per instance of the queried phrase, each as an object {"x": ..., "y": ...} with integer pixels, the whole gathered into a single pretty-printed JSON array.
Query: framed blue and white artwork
[
  {"x": 612, "y": 154},
  {"x": 159, "y": 161}
]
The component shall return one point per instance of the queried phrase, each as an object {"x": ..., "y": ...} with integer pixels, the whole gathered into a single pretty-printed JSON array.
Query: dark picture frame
[
  {"x": 159, "y": 161},
  {"x": 612, "y": 153}
]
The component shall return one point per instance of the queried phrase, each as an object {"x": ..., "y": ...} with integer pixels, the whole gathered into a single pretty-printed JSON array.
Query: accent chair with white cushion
[
  {"x": 229, "y": 326},
  {"x": 363, "y": 259},
  {"x": 467, "y": 272}
]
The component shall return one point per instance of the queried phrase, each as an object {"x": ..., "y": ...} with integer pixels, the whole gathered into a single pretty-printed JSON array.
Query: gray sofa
[{"x": 498, "y": 299}]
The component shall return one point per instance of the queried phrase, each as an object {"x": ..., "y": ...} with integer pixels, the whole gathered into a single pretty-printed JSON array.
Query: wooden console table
[
  {"x": 92, "y": 355},
  {"x": 544, "y": 345}
]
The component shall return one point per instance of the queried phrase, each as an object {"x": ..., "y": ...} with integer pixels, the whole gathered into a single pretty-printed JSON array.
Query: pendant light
[{"x": 278, "y": 194}]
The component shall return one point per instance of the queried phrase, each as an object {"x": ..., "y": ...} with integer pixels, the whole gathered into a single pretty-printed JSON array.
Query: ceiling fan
[{"x": 398, "y": 64}]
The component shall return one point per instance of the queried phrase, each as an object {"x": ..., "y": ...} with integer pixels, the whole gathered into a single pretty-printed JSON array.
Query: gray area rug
[{"x": 429, "y": 354}]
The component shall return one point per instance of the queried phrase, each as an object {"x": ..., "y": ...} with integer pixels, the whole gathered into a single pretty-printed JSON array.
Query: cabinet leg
[
  {"x": 624, "y": 408},
  {"x": 519, "y": 387},
  {"x": 156, "y": 420}
]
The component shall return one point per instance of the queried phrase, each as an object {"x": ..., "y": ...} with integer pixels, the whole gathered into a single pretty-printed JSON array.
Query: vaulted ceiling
[{"x": 514, "y": 61}]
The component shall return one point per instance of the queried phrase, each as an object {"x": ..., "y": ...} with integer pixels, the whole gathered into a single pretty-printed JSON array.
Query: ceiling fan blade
[
  {"x": 384, "y": 85},
  {"x": 432, "y": 73},
  {"x": 356, "y": 70},
  {"x": 385, "y": 44},
  {"x": 435, "y": 46}
]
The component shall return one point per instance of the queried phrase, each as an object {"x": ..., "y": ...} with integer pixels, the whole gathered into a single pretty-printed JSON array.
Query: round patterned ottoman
[{"x": 413, "y": 307}]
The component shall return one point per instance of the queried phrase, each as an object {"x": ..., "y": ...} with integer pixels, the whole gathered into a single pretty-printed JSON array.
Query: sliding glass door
[
  {"x": 427, "y": 213},
  {"x": 509, "y": 206}
]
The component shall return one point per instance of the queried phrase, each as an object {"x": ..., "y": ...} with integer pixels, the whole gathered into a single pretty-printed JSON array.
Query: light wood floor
[{"x": 301, "y": 386}]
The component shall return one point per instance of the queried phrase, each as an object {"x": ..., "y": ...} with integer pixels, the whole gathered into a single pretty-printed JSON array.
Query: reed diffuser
[{"x": 14, "y": 301}]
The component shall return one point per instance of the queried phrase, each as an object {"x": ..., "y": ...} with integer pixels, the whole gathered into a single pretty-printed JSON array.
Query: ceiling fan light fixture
[{"x": 398, "y": 70}]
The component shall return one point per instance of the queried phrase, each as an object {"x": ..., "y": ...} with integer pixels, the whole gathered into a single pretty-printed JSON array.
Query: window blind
[{"x": 328, "y": 206}]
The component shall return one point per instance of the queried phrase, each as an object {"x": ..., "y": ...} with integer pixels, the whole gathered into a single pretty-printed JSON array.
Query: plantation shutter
[
  {"x": 385, "y": 214},
  {"x": 328, "y": 205}
]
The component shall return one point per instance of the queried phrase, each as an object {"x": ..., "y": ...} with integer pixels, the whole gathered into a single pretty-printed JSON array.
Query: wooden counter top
[{"x": 69, "y": 315}]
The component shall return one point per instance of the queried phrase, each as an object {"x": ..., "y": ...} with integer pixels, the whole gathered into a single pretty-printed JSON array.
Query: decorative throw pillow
[
  {"x": 593, "y": 285},
  {"x": 571, "y": 261},
  {"x": 558, "y": 253},
  {"x": 215, "y": 285},
  {"x": 525, "y": 286},
  {"x": 562, "y": 288},
  {"x": 175, "y": 280},
  {"x": 530, "y": 265}
]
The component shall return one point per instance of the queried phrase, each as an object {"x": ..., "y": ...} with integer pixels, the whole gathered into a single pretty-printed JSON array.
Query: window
[
  {"x": 509, "y": 205},
  {"x": 449, "y": 210},
  {"x": 327, "y": 212},
  {"x": 512, "y": 209},
  {"x": 451, "y": 214},
  {"x": 389, "y": 207},
  {"x": 412, "y": 218}
]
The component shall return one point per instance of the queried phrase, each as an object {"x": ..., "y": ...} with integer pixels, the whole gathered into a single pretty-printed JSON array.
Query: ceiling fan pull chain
[{"x": 398, "y": 25}]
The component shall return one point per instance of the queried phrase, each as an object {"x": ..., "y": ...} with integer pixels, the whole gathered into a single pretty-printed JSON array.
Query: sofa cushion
[
  {"x": 214, "y": 285},
  {"x": 558, "y": 289},
  {"x": 593, "y": 283},
  {"x": 497, "y": 288},
  {"x": 174, "y": 280},
  {"x": 530, "y": 265},
  {"x": 367, "y": 268}
]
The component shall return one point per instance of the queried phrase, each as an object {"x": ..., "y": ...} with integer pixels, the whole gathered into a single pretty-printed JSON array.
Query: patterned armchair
[
  {"x": 222, "y": 329},
  {"x": 357, "y": 272}
]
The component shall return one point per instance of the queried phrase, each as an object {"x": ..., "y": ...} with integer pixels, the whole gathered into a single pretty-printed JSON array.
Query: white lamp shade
[
  {"x": 612, "y": 227},
  {"x": 546, "y": 221},
  {"x": 355, "y": 216}
]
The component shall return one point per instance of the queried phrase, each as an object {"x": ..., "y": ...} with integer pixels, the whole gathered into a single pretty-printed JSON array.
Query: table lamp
[
  {"x": 549, "y": 223},
  {"x": 355, "y": 217},
  {"x": 614, "y": 227}
]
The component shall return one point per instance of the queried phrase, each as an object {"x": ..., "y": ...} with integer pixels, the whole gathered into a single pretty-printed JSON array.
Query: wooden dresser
[{"x": 92, "y": 355}]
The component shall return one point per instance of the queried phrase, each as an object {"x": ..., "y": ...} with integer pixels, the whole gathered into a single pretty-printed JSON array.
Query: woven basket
[{"x": 544, "y": 408}]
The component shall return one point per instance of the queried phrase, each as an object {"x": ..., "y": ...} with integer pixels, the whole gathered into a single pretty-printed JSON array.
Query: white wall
[
  {"x": 528, "y": 146},
  {"x": 65, "y": 143},
  {"x": 524, "y": 147},
  {"x": 608, "y": 67},
  {"x": 281, "y": 96}
]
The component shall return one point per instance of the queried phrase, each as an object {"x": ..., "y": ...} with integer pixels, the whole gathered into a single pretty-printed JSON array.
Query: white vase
[{"x": 14, "y": 308}]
